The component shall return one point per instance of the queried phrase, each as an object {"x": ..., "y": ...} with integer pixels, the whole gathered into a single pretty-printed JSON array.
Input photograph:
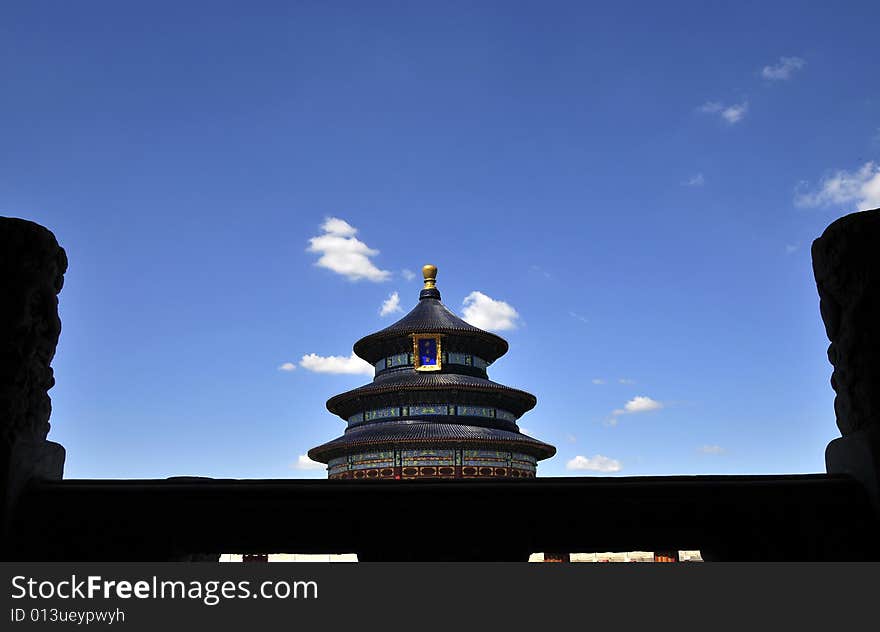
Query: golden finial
[{"x": 430, "y": 273}]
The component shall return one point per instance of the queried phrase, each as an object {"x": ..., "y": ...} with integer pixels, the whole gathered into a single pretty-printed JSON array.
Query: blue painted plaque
[{"x": 428, "y": 352}]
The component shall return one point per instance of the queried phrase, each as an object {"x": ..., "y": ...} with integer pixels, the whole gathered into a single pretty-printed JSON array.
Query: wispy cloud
[
  {"x": 541, "y": 271},
  {"x": 858, "y": 190},
  {"x": 351, "y": 365},
  {"x": 579, "y": 317},
  {"x": 487, "y": 313},
  {"x": 626, "y": 380},
  {"x": 730, "y": 113},
  {"x": 711, "y": 449},
  {"x": 695, "y": 181},
  {"x": 287, "y": 366},
  {"x": 407, "y": 274},
  {"x": 791, "y": 248},
  {"x": 345, "y": 254},
  {"x": 783, "y": 69},
  {"x": 638, "y": 404},
  {"x": 390, "y": 305},
  {"x": 303, "y": 462},
  {"x": 598, "y": 380},
  {"x": 597, "y": 463}
]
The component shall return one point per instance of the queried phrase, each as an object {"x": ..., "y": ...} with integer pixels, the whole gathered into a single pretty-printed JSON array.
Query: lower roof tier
[{"x": 419, "y": 434}]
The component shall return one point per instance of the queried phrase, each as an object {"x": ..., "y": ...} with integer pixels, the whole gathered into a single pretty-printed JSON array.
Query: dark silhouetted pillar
[
  {"x": 32, "y": 267},
  {"x": 846, "y": 265}
]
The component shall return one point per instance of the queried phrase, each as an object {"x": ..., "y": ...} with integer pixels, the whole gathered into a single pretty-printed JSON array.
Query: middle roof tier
[{"x": 410, "y": 387}]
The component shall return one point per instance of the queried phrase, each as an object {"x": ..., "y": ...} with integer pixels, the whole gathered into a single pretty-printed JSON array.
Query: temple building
[{"x": 431, "y": 410}]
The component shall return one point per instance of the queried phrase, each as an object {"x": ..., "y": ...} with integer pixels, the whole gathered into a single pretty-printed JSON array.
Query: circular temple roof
[
  {"x": 406, "y": 384},
  {"x": 429, "y": 316}
]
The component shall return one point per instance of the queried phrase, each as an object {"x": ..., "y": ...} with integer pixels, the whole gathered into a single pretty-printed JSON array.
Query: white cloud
[
  {"x": 525, "y": 431},
  {"x": 641, "y": 404},
  {"x": 351, "y": 365},
  {"x": 303, "y": 462},
  {"x": 735, "y": 113},
  {"x": 626, "y": 380},
  {"x": 784, "y": 69},
  {"x": 287, "y": 366},
  {"x": 597, "y": 463},
  {"x": 336, "y": 226},
  {"x": 730, "y": 113},
  {"x": 695, "y": 181},
  {"x": 344, "y": 253},
  {"x": 486, "y": 313},
  {"x": 638, "y": 404},
  {"x": 390, "y": 305},
  {"x": 858, "y": 188},
  {"x": 598, "y": 380},
  {"x": 711, "y": 449},
  {"x": 408, "y": 274}
]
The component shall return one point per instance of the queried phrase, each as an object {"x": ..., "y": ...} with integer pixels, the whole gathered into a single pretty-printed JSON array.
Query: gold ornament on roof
[{"x": 429, "y": 271}]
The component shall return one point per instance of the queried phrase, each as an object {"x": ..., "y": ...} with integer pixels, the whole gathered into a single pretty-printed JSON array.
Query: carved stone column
[
  {"x": 32, "y": 267},
  {"x": 666, "y": 556},
  {"x": 846, "y": 265}
]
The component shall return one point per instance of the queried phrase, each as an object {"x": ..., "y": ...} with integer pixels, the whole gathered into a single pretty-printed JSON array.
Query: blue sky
[{"x": 639, "y": 184}]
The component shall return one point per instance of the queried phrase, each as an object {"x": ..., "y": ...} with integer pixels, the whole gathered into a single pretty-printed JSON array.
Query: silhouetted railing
[{"x": 809, "y": 517}]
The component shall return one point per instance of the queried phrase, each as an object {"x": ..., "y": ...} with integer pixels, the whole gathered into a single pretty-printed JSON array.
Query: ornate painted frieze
[
  {"x": 407, "y": 359},
  {"x": 416, "y": 410},
  {"x": 433, "y": 463}
]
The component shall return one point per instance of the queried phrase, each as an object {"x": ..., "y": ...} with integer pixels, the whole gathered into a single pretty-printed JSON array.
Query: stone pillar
[
  {"x": 32, "y": 267},
  {"x": 557, "y": 557},
  {"x": 666, "y": 556},
  {"x": 846, "y": 265}
]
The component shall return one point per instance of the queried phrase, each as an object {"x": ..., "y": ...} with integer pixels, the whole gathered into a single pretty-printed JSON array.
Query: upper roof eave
[{"x": 428, "y": 316}]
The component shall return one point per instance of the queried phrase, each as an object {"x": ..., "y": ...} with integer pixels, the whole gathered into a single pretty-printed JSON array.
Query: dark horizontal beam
[{"x": 801, "y": 517}]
